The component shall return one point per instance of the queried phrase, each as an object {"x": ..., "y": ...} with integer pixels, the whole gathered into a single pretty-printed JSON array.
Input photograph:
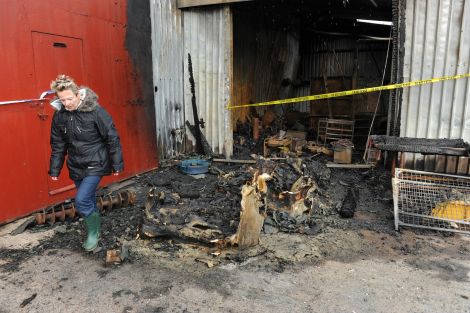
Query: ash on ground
[{"x": 214, "y": 201}]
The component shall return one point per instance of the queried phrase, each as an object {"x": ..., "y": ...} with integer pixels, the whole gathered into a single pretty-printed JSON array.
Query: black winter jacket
[{"x": 89, "y": 138}]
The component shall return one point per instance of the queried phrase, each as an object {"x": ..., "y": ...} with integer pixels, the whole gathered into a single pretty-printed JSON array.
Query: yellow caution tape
[{"x": 351, "y": 92}]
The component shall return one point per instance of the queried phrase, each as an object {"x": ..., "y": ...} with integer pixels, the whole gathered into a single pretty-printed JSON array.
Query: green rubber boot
[{"x": 92, "y": 223}]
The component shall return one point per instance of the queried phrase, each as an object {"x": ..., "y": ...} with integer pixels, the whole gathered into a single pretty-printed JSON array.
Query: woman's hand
[
  {"x": 116, "y": 173},
  {"x": 54, "y": 178}
]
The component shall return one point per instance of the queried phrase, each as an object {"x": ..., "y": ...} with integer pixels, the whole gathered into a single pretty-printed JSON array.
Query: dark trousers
[{"x": 85, "y": 199}]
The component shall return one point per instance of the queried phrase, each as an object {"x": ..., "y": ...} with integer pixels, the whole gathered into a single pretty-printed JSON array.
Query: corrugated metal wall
[
  {"x": 336, "y": 57},
  {"x": 437, "y": 43},
  {"x": 302, "y": 91},
  {"x": 167, "y": 51},
  {"x": 205, "y": 33},
  {"x": 263, "y": 58},
  {"x": 207, "y": 37},
  {"x": 277, "y": 58}
]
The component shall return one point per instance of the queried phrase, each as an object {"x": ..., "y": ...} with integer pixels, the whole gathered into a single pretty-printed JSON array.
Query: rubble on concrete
[
  {"x": 233, "y": 206},
  {"x": 235, "y": 211}
]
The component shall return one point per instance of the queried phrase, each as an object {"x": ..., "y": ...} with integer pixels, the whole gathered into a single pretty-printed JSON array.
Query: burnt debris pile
[{"x": 234, "y": 202}]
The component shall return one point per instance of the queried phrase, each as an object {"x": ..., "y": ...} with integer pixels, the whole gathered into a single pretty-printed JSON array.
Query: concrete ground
[{"x": 408, "y": 272}]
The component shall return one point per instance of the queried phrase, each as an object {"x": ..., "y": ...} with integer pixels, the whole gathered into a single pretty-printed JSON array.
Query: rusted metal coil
[
  {"x": 104, "y": 203},
  {"x": 58, "y": 212},
  {"x": 121, "y": 199}
]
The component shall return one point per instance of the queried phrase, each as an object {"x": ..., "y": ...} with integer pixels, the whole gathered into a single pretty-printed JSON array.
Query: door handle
[{"x": 43, "y": 116}]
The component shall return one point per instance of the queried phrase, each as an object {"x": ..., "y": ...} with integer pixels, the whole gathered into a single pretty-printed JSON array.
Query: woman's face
[{"x": 69, "y": 99}]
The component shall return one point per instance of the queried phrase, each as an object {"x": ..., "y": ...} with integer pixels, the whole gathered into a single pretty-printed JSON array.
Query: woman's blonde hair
[{"x": 64, "y": 82}]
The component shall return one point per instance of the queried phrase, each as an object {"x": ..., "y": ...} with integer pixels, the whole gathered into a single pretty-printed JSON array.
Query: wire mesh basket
[{"x": 431, "y": 200}]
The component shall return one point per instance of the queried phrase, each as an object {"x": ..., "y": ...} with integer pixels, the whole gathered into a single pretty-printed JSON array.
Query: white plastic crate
[{"x": 431, "y": 200}]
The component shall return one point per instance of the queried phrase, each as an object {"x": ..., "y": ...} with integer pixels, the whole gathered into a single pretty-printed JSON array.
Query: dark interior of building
[{"x": 294, "y": 48}]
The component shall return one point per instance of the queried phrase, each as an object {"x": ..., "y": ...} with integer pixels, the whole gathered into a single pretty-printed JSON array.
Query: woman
[{"x": 85, "y": 132}]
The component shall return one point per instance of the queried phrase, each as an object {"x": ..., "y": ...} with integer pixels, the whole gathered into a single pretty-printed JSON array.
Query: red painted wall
[{"x": 87, "y": 40}]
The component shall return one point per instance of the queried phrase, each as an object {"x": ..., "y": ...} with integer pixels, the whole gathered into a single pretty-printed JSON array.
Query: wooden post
[
  {"x": 429, "y": 163},
  {"x": 325, "y": 82},
  {"x": 462, "y": 167},
  {"x": 451, "y": 165},
  {"x": 255, "y": 129},
  {"x": 354, "y": 82},
  {"x": 440, "y": 164}
]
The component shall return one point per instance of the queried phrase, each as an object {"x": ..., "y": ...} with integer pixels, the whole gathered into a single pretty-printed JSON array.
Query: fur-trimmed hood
[{"x": 88, "y": 100}]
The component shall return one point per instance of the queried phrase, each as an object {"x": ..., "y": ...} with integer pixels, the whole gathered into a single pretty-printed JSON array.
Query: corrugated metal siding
[
  {"x": 336, "y": 57},
  {"x": 263, "y": 57},
  {"x": 167, "y": 51},
  {"x": 437, "y": 43},
  {"x": 340, "y": 63},
  {"x": 302, "y": 91},
  {"x": 208, "y": 38},
  {"x": 277, "y": 57}
]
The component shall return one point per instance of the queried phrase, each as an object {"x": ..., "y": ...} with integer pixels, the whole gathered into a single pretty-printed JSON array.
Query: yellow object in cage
[{"x": 452, "y": 210}]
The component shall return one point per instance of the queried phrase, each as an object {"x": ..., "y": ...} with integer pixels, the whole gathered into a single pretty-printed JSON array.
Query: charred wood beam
[
  {"x": 181, "y": 4},
  {"x": 356, "y": 166},
  {"x": 456, "y": 147},
  {"x": 206, "y": 146},
  {"x": 197, "y": 123},
  {"x": 195, "y": 230},
  {"x": 347, "y": 51},
  {"x": 170, "y": 222},
  {"x": 234, "y": 161}
]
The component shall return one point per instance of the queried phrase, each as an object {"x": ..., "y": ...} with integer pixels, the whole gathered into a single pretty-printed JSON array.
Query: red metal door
[
  {"x": 55, "y": 55},
  {"x": 84, "y": 39},
  {"x": 22, "y": 166}
]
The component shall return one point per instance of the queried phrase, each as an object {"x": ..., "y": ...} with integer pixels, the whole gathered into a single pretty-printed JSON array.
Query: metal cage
[{"x": 431, "y": 200}]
